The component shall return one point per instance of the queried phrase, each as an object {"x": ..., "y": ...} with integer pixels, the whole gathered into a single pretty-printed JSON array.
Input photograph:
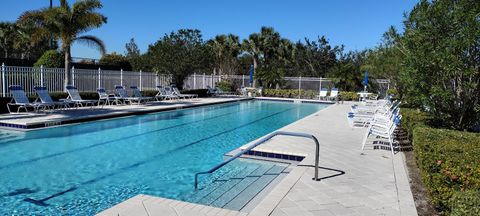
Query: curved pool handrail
[{"x": 261, "y": 141}]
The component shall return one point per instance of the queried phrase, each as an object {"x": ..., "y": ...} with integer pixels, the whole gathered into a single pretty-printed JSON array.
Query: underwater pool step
[
  {"x": 244, "y": 197},
  {"x": 236, "y": 193},
  {"x": 227, "y": 196},
  {"x": 219, "y": 191}
]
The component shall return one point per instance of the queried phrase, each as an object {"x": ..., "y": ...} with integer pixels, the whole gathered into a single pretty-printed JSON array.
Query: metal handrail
[{"x": 261, "y": 141}]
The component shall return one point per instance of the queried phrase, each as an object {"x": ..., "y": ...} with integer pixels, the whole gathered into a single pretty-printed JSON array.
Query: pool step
[{"x": 236, "y": 191}]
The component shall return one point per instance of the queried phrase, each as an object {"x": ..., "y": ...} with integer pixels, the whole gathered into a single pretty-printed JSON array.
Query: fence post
[
  {"x": 320, "y": 88},
  {"x": 121, "y": 77},
  {"x": 204, "y": 81},
  {"x": 73, "y": 75},
  {"x": 3, "y": 80},
  {"x": 194, "y": 80},
  {"x": 299, "y": 86},
  {"x": 41, "y": 75},
  {"x": 243, "y": 80},
  {"x": 99, "y": 78},
  {"x": 140, "y": 80},
  {"x": 156, "y": 80}
]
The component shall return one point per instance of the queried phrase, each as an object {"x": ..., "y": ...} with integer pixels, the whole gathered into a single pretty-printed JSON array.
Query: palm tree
[
  {"x": 7, "y": 33},
  {"x": 226, "y": 49},
  {"x": 66, "y": 24}
]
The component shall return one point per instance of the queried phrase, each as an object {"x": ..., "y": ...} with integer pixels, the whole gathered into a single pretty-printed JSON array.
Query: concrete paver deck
[{"x": 353, "y": 182}]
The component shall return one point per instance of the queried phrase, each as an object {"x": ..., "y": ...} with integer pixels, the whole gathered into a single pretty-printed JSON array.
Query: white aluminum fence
[
  {"x": 201, "y": 81},
  {"x": 83, "y": 79},
  {"x": 308, "y": 87}
]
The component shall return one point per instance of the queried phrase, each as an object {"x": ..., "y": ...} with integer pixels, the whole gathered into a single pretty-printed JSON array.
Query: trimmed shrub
[
  {"x": 349, "y": 96},
  {"x": 450, "y": 164},
  {"x": 51, "y": 59},
  {"x": 199, "y": 92},
  {"x": 412, "y": 118},
  {"x": 225, "y": 85},
  {"x": 466, "y": 203},
  {"x": 149, "y": 93}
]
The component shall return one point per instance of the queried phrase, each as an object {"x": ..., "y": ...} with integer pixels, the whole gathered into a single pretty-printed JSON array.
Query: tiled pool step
[{"x": 235, "y": 190}]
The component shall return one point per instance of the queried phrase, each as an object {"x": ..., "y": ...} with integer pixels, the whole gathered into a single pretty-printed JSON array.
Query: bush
[
  {"x": 349, "y": 96},
  {"x": 225, "y": 85},
  {"x": 449, "y": 163},
  {"x": 412, "y": 118},
  {"x": 117, "y": 60},
  {"x": 466, "y": 203},
  {"x": 199, "y": 92},
  {"x": 51, "y": 59}
]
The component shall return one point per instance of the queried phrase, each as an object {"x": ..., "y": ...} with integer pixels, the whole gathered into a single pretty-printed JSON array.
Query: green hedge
[
  {"x": 449, "y": 162},
  {"x": 412, "y": 118},
  {"x": 466, "y": 203},
  {"x": 308, "y": 94},
  {"x": 199, "y": 92},
  {"x": 349, "y": 96}
]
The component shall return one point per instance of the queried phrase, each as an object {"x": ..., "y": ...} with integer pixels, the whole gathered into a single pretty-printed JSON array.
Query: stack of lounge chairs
[{"x": 382, "y": 117}]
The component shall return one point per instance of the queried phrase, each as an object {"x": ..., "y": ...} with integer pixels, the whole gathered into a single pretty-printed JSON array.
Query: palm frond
[
  {"x": 86, "y": 6},
  {"x": 64, "y": 4},
  {"x": 93, "y": 42},
  {"x": 89, "y": 21}
]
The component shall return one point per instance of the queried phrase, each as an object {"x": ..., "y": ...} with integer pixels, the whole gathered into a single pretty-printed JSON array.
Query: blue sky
[{"x": 357, "y": 24}]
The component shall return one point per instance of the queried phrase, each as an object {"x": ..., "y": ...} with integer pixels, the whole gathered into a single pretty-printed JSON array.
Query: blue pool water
[{"x": 85, "y": 168}]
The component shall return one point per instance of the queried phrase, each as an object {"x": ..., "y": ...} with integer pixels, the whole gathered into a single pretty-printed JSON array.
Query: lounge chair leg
[{"x": 365, "y": 138}]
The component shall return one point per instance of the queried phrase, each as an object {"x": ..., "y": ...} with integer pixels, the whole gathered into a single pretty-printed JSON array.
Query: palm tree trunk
[
  {"x": 68, "y": 74},
  {"x": 254, "y": 70}
]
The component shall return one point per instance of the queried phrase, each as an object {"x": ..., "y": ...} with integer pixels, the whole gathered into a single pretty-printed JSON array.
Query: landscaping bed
[{"x": 448, "y": 162}]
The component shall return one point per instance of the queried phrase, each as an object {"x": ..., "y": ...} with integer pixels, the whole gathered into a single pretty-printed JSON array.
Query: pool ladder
[{"x": 261, "y": 141}]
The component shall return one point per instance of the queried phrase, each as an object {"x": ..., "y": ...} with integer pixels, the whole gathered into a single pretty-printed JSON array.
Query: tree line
[{"x": 273, "y": 57}]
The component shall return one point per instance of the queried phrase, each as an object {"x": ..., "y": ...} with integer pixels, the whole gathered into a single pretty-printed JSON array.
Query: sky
[{"x": 357, "y": 24}]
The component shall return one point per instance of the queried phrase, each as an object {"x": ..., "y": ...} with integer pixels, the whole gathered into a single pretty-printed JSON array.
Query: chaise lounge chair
[
  {"x": 162, "y": 94},
  {"x": 138, "y": 95},
  {"x": 46, "y": 100},
  {"x": 179, "y": 94},
  {"x": 105, "y": 99},
  {"x": 333, "y": 94},
  {"x": 20, "y": 99},
  {"x": 323, "y": 94},
  {"x": 74, "y": 97}
]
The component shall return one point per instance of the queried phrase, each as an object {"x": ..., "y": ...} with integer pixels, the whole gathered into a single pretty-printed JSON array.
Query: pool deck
[
  {"x": 27, "y": 121},
  {"x": 353, "y": 182}
]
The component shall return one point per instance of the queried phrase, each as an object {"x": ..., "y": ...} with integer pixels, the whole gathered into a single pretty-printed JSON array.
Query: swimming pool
[{"x": 85, "y": 168}]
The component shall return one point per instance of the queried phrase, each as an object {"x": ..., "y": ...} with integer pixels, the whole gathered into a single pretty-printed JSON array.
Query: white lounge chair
[
  {"x": 20, "y": 99},
  {"x": 169, "y": 91},
  {"x": 179, "y": 94},
  {"x": 162, "y": 94},
  {"x": 105, "y": 99},
  {"x": 74, "y": 97},
  {"x": 46, "y": 100},
  {"x": 382, "y": 128},
  {"x": 138, "y": 95},
  {"x": 322, "y": 94},
  {"x": 333, "y": 94},
  {"x": 122, "y": 94}
]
